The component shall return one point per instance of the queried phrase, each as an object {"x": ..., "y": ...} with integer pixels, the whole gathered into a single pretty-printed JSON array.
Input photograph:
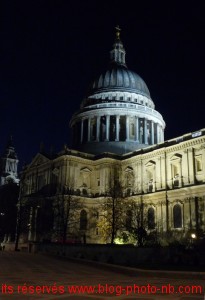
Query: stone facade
[{"x": 168, "y": 178}]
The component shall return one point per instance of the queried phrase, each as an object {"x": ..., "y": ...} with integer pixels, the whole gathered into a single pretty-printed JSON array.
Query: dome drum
[
  {"x": 119, "y": 148},
  {"x": 121, "y": 130},
  {"x": 118, "y": 110}
]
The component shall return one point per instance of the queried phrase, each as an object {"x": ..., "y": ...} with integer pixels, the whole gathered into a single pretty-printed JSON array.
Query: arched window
[
  {"x": 177, "y": 216},
  {"x": 128, "y": 192},
  {"x": 83, "y": 220},
  {"x": 176, "y": 180},
  {"x": 128, "y": 223},
  {"x": 151, "y": 218},
  {"x": 150, "y": 185},
  {"x": 84, "y": 192}
]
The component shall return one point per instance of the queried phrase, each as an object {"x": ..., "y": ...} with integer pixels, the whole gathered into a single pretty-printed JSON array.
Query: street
[{"x": 36, "y": 276}]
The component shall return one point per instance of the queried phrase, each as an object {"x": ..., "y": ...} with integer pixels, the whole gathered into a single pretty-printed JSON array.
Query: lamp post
[
  {"x": 19, "y": 216},
  {"x": 2, "y": 214},
  {"x": 18, "y": 225},
  {"x": 35, "y": 224},
  {"x": 193, "y": 238}
]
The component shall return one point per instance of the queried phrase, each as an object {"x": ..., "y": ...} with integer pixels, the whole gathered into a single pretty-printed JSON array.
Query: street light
[{"x": 193, "y": 236}]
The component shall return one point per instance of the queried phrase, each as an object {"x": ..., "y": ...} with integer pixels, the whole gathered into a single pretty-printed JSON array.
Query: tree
[
  {"x": 139, "y": 222},
  {"x": 8, "y": 209},
  {"x": 111, "y": 220},
  {"x": 134, "y": 223},
  {"x": 66, "y": 205}
]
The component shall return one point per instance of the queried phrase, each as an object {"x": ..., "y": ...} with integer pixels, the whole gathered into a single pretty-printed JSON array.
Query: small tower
[{"x": 8, "y": 165}]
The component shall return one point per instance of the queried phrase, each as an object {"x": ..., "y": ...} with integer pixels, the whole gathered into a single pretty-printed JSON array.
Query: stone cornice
[
  {"x": 136, "y": 110},
  {"x": 186, "y": 144},
  {"x": 153, "y": 152}
]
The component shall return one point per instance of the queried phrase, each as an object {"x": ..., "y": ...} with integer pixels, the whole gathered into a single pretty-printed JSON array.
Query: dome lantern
[{"x": 117, "y": 54}]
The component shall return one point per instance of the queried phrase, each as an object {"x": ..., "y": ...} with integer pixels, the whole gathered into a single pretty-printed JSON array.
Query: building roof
[{"x": 119, "y": 78}]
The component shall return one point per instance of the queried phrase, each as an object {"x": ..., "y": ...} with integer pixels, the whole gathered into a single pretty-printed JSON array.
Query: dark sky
[{"x": 51, "y": 50}]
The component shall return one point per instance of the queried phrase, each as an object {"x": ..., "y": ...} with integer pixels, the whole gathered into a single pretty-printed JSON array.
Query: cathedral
[{"x": 117, "y": 144}]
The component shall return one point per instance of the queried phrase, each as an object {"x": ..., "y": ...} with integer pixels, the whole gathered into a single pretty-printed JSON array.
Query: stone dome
[
  {"x": 118, "y": 114},
  {"x": 119, "y": 78}
]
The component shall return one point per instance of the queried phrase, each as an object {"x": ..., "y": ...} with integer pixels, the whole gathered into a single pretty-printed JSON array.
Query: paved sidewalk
[{"x": 24, "y": 269}]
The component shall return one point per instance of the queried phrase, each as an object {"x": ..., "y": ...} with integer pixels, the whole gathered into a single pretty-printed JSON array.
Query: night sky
[{"x": 51, "y": 50}]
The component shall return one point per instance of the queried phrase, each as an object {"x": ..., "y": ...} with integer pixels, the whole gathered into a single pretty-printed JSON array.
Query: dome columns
[
  {"x": 107, "y": 128},
  {"x": 152, "y": 132},
  {"x": 145, "y": 132},
  {"x": 127, "y": 128},
  {"x": 118, "y": 128},
  {"x": 136, "y": 129},
  {"x": 98, "y": 129}
]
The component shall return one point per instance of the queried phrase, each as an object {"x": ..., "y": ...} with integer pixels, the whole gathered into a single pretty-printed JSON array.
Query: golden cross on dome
[{"x": 118, "y": 32}]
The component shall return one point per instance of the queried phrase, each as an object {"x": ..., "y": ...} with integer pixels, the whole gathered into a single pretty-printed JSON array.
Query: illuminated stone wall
[{"x": 169, "y": 178}]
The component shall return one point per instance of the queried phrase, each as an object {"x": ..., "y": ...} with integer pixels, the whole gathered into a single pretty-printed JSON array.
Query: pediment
[
  {"x": 150, "y": 163},
  {"x": 129, "y": 169},
  {"x": 55, "y": 171},
  {"x": 39, "y": 159},
  {"x": 176, "y": 156},
  {"x": 86, "y": 170}
]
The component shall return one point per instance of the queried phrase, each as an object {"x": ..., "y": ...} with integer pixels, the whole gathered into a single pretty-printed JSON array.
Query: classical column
[
  {"x": 145, "y": 131},
  {"x": 162, "y": 135},
  {"x": 137, "y": 129},
  {"x": 107, "y": 127},
  {"x": 152, "y": 133},
  {"x": 117, "y": 120},
  {"x": 127, "y": 128},
  {"x": 98, "y": 129},
  {"x": 141, "y": 137},
  {"x": 81, "y": 133},
  {"x": 158, "y": 133},
  {"x": 88, "y": 129}
]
